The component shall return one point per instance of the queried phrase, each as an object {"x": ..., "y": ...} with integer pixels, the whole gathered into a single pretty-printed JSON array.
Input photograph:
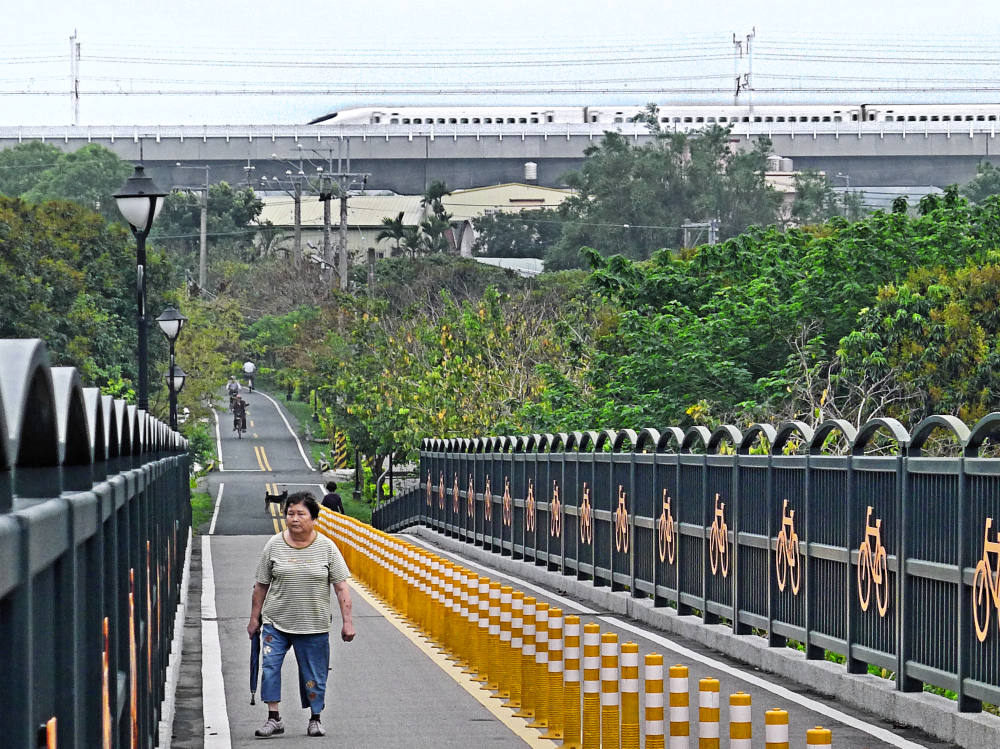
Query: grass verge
[{"x": 201, "y": 511}]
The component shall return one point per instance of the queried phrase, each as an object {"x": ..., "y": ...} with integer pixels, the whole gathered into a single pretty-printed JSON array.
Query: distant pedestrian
[
  {"x": 332, "y": 500},
  {"x": 291, "y": 595}
]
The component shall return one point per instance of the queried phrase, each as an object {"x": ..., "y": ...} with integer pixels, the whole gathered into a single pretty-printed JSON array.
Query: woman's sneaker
[
  {"x": 270, "y": 728},
  {"x": 315, "y": 728}
]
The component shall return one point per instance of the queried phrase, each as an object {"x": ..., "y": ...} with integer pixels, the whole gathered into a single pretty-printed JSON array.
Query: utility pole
[
  {"x": 74, "y": 74},
  {"x": 371, "y": 272},
  {"x": 297, "y": 243},
  {"x": 203, "y": 248},
  {"x": 342, "y": 244},
  {"x": 325, "y": 195}
]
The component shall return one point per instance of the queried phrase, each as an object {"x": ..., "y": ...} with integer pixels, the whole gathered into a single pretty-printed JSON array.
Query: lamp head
[
  {"x": 179, "y": 377},
  {"x": 140, "y": 200},
  {"x": 171, "y": 321}
]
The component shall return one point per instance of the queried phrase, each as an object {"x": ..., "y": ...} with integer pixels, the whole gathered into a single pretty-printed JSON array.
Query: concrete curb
[{"x": 930, "y": 713}]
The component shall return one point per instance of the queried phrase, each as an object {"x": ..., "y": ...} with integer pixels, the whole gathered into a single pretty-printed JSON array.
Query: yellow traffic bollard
[
  {"x": 819, "y": 737},
  {"x": 555, "y": 676},
  {"x": 503, "y": 647},
  {"x": 654, "y": 701},
  {"x": 776, "y": 729},
  {"x": 680, "y": 716},
  {"x": 630, "y": 695},
  {"x": 740, "y": 726},
  {"x": 528, "y": 690},
  {"x": 610, "y": 708},
  {"x": 708, "y": 714},
  {"x": 516, "y": 646},
  {"x": 571, "y": 690},
  {"x": 540, "y": 670},
  {"x": 591, "y": 686}
]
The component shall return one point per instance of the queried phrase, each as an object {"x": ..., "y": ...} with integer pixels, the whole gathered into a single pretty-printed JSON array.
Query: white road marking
[
  {"x": 818, "y": 707},
  {"x": 218, "y": 438},
  {"x": 213, "y": 688},
  {"x": 215, "y": 512},
  {"x": 290, "y": 430}
]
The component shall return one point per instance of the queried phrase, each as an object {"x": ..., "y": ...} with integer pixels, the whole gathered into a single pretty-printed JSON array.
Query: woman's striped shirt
[{"x": 298, "y": 599}]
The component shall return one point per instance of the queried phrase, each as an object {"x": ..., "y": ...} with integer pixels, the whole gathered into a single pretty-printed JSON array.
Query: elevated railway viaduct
[{"x": 405, "y": 158}]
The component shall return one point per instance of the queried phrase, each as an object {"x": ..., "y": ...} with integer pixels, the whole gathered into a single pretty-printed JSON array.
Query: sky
[{"x": 192, "y": 63}]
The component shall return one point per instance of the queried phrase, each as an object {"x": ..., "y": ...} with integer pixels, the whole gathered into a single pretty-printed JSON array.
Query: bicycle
[
  {"x": 507, "y": 512},
  {"x": 529, "y": 509},
  {"x": 441, "y": 490},
  {"x": 471, "y": 496},
  {"x": 555, "y": 512},
  {"x": 666, "y": 531},
  {"x": 621, "y": 522},
  {"x": 488, "y": 502},
  {"x": 873, "y": 566},
  {"x": 239, "y": 424},
  {"x": 786, "y": 555},
  {"x": 586, "y": 517},
  {"x": 454, "y": 494},
  {"x": 719, "y": 540},
  {"x": 985, "y": 581},
  {"x": 429, "y": 489}
]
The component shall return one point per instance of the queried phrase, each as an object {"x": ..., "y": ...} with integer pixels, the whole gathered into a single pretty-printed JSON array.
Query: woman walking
[{"x": 291, "y": 596}]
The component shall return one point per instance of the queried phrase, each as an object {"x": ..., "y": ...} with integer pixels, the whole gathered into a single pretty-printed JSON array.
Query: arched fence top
[
  {"x": 625, "y": 441},
  {"x": 693, "y": 436},
  {"x": 29, "y": 403},
  {"x": 766, "y": 431},
  {"x": 124, "y": 428},
  {"x": 557, "y": 441},
  {"x": 525, "y": 444},
  {"x": 605, "y": 437},
  {"x": 112, "y": 435},
  {"x": 725, "y": 433},
  {"x": 670, "y": 434},
  {"x": 75, "y": 446},
  {"x": 870, "y": 428},
  {"x": 573, "y": 441},
  {"x": 588, "y": 440},
  {"x": 787, "y": 431},
  {"x": 95, "y": 424},
  {"x": 923, "y": 430},
  {"x": 828, "y": 427},
  {"x": 478, "y": 444},
  {"x": 647, "y": 438},
  {"x": 508, "y": 444},
  {"x": 982, "y": 430}
]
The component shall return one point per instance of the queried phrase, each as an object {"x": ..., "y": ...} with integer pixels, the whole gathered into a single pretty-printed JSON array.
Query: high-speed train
[{"x": 677, "y": 117}]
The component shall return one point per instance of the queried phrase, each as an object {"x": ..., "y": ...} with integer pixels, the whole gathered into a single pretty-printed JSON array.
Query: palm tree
[
  {"x": 432, "y": 197},
  {"x": 394, "y": 229},
  {"x": 434, "y": 231},
  {"x": 411, "y": 239}
]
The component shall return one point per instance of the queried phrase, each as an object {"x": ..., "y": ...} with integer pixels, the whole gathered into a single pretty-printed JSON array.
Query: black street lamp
[
  {"x": 171, "y": 321},
  {"x": 175, "y": 382},
  {"x": 139, "y": 201}
]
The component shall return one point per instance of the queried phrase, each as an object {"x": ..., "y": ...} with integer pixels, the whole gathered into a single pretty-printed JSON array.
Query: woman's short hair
[
  {"x": 303, "y": 498},
  {"x": 331, "y": 486}
]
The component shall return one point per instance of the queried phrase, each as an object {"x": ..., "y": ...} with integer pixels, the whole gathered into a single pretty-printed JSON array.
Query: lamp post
[
  {"x": 171, "y": 321},
  {"x": 175, "y": 382},
  {"x": 139, "y": 201}
]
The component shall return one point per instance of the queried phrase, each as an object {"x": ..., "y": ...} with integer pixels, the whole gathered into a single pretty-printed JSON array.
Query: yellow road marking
[
  {"x": 518, "y": 727},
  {"x": 255, "y": 433},
  {"x": 251, "y": 424},
  {"x": 262, "y": 461},
  {"x": 263, "y": 454}
]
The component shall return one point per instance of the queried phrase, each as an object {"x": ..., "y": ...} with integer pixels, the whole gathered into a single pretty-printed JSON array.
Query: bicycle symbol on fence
[
  {"x": 666, "y": 529},
  {"x": 506, "y": 502},
  {"x": 429, "y": 490},
  {"x": 786, "y": 555},
  {"x": 873, "y": 566},
  {"x": 718, "y": 541},
  {"x": 529, "y": 508},
  {"x": 586, "y": 517},
  {"x": 454, "y": 494},
  {"x": 488, "y": 502},
  {"x": 621, "y": 522},
  {"x": 441, "y": 491},
  {"x": 471, "y": 495},
  {"x": 986, "y": 581},
  {"x": 555, "y": 512}
]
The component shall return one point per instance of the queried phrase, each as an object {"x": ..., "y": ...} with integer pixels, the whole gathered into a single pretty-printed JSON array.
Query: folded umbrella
[{"x": 254, "y": 665}]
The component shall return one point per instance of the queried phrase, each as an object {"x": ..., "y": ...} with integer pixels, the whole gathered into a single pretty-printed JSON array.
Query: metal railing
[
  {"x": 889, "y": 557},
  {"x": 94, "y": 520}
]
